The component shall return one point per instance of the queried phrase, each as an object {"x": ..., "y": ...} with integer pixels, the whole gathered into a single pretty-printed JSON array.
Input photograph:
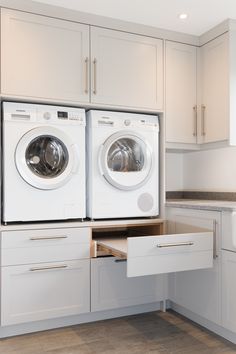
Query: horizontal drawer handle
[
  {"x": 163, "y": 245},
  {"x": 120, "y": 260},
  {"x": 42, "y": 238},
  {"x": 36, "y": 269}
]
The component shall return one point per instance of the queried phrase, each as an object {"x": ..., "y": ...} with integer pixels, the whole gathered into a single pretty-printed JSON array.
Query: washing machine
[
  {"x": 43, "y": 162},
  {"x": 123, "y": 165}
]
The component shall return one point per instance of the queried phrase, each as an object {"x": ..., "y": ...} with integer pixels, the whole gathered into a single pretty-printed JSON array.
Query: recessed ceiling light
[{"x": 183, "y": 16}]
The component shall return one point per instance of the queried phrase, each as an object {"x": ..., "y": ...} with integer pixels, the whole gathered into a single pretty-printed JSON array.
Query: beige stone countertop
[{"x": 216, "y": 205}]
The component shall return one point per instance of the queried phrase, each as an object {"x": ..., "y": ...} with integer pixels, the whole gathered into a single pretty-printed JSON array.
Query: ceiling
[{"x": 202, "y": 14}]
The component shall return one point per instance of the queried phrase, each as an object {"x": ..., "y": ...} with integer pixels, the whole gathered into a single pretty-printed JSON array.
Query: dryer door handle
[{"x": 76, "y": 152}]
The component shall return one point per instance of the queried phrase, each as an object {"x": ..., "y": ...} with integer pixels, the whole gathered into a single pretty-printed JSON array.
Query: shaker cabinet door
[
  {"x": 228, "y": 290},
  {"x": 42, "y": 291},
  {"x": 127, "y": 69},
  {"x": 44, "y": 58},
  {"x": 198, "y": 290},
  {"x": 181, "y": 96},
  {"x": 110, "y": 287},
  {"x": 215, "y": 102}
]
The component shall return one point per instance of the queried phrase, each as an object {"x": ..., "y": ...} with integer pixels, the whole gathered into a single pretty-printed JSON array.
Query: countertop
[{"x": 216, "y": 205}]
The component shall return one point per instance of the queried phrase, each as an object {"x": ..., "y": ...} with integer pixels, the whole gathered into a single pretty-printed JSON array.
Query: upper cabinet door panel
[
  {"x": 127, "y": 69},
  {"x": 44, "y": 57},
  {"x": 181, "y": 86},
  {"x": 215, "y": 90}
]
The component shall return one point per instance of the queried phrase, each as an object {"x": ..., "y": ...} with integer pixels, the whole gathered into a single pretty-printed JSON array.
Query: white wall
[
  {"x": 174, "y": 172},
  {"x": 213, "y": 170}
]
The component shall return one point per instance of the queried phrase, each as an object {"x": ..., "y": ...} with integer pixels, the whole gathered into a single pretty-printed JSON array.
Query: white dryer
[
  {"x": 43, "y": 162},
  {"x": 123, "y": 165}
]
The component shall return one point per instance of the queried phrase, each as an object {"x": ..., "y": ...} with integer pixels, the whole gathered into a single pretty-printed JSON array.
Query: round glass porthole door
[
  {"x": 45, "y": 158},
  {"x": 126, "y": 161}
]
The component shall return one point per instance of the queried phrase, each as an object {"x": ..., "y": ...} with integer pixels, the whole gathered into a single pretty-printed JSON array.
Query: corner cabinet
[
  {"x": 200, "y": 104},
  {"x": 127, "y": 69},
  {"x": 44, "y": 58},
  {"x": 181, "y": 93},
  {"x": 198, "y": 291}
]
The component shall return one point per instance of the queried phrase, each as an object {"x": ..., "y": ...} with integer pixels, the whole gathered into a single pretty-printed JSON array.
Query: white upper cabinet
[
  {"x": 44, "y": 58},
  {"x": 127, "y": 69},
  {"x": 215, "y": 77},
  {"x": 49, "y": 59},
  {"x": 181, "y": 95}
]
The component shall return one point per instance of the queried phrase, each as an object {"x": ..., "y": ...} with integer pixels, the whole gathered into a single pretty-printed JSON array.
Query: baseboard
[
  {"x": 221, "y": 331},
  {"x": 30, "y": 327}
]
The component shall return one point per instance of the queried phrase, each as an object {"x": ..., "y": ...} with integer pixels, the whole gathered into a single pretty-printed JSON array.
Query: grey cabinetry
[
  {"x": 44, "y": 58},
  {"x": 199, "y": 290},
  {"x": 111, "y": 289},
  {"x": 49, "y": 59}
]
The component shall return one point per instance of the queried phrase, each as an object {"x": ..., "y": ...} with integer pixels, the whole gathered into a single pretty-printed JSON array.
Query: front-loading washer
[
  {"x": 43, "y": 162},
  {"x": 122, "y": 165}
]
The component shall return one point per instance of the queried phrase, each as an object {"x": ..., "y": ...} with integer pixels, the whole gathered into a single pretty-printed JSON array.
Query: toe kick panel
[{"x": 159, "y": 254}]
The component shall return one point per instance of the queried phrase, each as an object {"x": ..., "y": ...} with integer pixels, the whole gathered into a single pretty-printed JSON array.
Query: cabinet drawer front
[
  {"x": 156, "y": 254},
  {"x": 42, "y": 291},
  {"x": 23, "y": 247},
  {"x": 169, "y": 244},
  {"x": 169, "y": 253}
]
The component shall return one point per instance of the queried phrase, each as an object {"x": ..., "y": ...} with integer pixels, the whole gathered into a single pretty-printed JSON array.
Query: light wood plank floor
[{"x": 140, "y": 334}]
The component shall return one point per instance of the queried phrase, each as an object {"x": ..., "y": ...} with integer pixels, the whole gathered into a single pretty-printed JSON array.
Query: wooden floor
[{"x": 148, "y": 333}]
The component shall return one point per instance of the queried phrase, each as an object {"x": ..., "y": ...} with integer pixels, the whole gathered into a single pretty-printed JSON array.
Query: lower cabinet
[
  {"x": 229, "y": 290},
  {"x": 112, "y": 289},
  {"x": 46, "y": 290},
  {"x": 199, "y": 290}
]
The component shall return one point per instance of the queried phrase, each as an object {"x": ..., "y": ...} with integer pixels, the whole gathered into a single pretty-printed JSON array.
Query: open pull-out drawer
[{"x": 149, "y": 250}]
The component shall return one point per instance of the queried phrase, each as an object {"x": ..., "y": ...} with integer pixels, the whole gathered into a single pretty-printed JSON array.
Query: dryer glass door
[
  {"x": 46, "y": 158},
  {"x": 126, "y": 160}
]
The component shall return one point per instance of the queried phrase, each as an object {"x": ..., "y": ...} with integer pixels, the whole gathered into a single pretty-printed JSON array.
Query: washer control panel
[{"x": 44, "y": 114}]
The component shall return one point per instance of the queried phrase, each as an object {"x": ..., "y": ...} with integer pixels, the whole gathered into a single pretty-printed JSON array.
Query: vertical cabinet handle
[
  {"x": 195, "y": 121},
  {"x": 95, "y": 76},
  {"x": 203, "y": 120},
  {"x": 86, "y": 75},
  {"x": 215, "y": 255}
]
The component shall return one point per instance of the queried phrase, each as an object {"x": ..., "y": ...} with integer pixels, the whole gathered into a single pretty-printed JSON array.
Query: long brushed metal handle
[
  {"x": 215, "y": 255},
  {"x": 42, "y": 238},
  {"x": 86, "y": 75},
  {"x": 203, "y": 119},
  {"x": 120, "y": 260},
  {"x": 95, "y": 76},
  {"x": 52, "y": 267},
  {"x": 195, "y": 121},
  {"x": 179, "y": 244}
]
